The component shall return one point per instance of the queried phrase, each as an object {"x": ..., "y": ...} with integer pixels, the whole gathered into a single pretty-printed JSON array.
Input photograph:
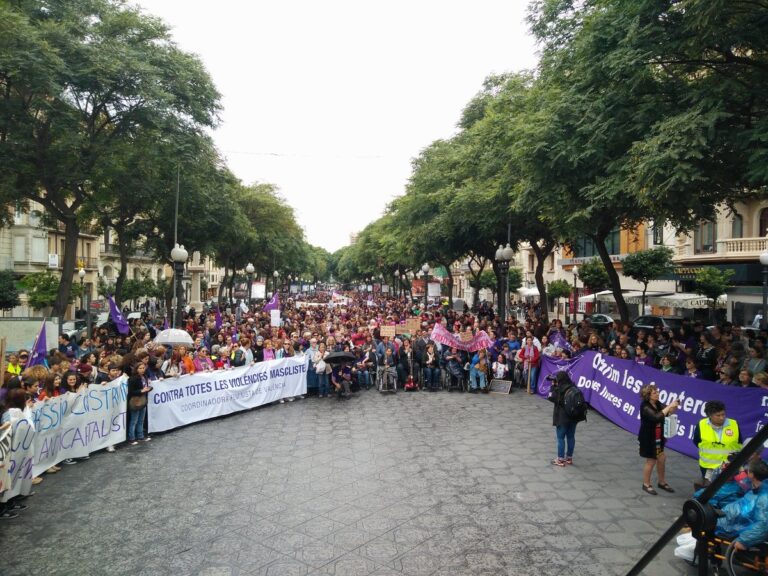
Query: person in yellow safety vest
[{"x": 716, "y": 437}]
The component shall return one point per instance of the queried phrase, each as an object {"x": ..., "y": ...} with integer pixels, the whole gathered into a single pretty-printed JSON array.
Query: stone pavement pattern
[{"x": 413, "y": 484}]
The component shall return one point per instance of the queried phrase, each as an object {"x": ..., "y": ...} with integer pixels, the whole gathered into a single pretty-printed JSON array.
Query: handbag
[
  {"x": 137, "y": 402},
  {"x": 320, "y": 367}
]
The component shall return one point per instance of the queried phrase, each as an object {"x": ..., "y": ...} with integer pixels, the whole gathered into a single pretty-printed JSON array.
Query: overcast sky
[{"x": 330, "y": 100}]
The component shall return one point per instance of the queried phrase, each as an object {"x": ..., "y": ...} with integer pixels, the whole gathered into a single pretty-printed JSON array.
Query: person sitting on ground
[{"x": 341, "y": 378}]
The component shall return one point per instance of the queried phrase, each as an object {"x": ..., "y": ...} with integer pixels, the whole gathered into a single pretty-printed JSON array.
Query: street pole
[
  {"x": 575, "y": 293},
  {"x": 179, "y": 257},
  {"x": 764, "y": 262}
]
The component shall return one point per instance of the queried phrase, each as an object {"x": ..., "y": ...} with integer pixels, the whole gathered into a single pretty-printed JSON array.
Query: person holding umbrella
[{"x": 341, "y": 374}]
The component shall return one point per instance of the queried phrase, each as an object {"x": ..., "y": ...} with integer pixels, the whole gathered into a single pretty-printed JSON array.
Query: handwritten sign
[
  {"x": 500, "y": 386},
  {"x": 388, "y": 331}
]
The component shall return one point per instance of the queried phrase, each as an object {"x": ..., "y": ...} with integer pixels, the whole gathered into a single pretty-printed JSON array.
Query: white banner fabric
[
  {"x": 186, "y": 399},
  {"x": 74, "y": 425},
  {"x": 19, "y": 460}
]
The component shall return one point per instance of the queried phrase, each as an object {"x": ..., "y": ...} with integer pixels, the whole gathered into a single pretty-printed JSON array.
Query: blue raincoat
[{"x": 747, "y": 517}]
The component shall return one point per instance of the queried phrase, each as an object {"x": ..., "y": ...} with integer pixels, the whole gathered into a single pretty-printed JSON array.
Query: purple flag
[
  {"x": 218, "y": 318},
  {"x": 165, "y": 323},
  {"x": 117, "y": 317},
  {"x": 273, "y": 304},
  {"x": 560, "y": 342},
  {"x": 39, "y": 350}
]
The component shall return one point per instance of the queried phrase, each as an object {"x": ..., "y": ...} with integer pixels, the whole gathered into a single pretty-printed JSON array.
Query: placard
[
  {"x": 412, "y": 324},
  {"x": 390, "y": 331},
  {"x": 500, "y": 386}
]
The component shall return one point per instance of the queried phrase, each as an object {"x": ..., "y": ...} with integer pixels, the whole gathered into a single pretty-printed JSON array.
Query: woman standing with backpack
[{"x": 568, "y": 411}]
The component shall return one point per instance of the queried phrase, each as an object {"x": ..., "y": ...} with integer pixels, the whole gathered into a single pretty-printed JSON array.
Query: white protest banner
[
  {"x": 74, "y": 425},
  {"x": 274, "y": 318},
  {"x": 176, "y": 402},
  {"x": 21, "y": 455}
]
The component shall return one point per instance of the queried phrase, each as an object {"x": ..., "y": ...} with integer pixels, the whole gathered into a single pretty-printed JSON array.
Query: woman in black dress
[{"x": 651, "y": 437}]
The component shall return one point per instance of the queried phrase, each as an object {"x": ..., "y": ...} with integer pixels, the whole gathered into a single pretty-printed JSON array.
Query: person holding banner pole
[{"x": 529, "y": 356}]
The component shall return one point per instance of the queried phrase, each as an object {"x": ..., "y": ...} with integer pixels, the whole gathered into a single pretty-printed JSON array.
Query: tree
[
  {"x": 559, "y": 289},
  {"x": 93, "y": 73},
  {"x": 593, "y": 275},
  {"x": 647, "y": 265},
  {"x": 712, "y": 282},
  {"x": 42, "y": 289},
  {"x": 9, "y": 293}
]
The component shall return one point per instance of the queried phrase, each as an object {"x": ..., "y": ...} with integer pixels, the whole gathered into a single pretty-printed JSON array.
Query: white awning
[
  {"x": 528, "y": 292},
  {"x": 686, "y": 300},
  {"x": 604, "y": 296},
  {"x": 636, "y": 296}
]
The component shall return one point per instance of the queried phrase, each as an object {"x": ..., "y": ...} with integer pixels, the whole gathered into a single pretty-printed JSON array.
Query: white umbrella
[{"x": 174, "y": 337}]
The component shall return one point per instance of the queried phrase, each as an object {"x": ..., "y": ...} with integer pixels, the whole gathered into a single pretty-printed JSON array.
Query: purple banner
[{"x": 612, "y": 387}]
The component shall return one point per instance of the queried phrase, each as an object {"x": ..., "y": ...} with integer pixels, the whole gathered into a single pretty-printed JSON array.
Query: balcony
[
  {"x": 737, "y": 249},
  {"x": 114, "y": 250}
]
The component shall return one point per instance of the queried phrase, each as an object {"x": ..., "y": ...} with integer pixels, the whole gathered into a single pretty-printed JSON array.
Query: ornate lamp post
[
  {"x": 575, "y": 294},
  {"x": 249, "y": 269},
  {"x": 425, "y": 269},
  {"x": 764, "y": 262},
  {"x": 395, "y": 283},
  {"x": 179, "y": 256},
  {"x": 275, "y": 275},
  {"x": 504, "y": 256}
]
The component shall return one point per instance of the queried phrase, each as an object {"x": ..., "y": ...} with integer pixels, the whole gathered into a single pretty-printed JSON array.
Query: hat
[
  {"x": 259, "y": 338},
  {"x": 85, "y": 369}
]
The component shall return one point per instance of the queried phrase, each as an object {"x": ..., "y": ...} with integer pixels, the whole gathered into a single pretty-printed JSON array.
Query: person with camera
[
  {"x": 138, "y": 389},
  {"x": 565, "y": 415},
  {"x": 651, "y": 437}
]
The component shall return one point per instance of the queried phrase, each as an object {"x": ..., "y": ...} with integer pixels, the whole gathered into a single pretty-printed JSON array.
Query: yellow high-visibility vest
[{"x": 714, "y": 450}]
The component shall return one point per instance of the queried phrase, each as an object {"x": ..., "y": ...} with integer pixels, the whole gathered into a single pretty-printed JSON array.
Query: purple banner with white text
[{"x": 612, "y": 386}]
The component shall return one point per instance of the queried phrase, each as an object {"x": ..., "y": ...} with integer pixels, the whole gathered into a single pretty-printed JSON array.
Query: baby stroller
[{"x": 386, "y": 378}]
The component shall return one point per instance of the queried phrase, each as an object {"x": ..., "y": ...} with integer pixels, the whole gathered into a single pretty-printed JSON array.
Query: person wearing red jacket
[{"x": 529, "y": 356}]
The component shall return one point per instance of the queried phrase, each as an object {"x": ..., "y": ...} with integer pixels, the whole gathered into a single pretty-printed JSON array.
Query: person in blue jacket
[{"x": 747, "y": 518}]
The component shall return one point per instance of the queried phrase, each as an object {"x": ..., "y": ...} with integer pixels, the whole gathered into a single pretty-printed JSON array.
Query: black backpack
[{"x": 574, "y": 404}]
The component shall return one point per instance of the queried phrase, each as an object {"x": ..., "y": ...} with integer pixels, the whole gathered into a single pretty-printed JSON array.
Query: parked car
[
  {"x": 75, "y": 329},
  {"x": 600, "y": 321},
  {"x": 648, "y": 322}
]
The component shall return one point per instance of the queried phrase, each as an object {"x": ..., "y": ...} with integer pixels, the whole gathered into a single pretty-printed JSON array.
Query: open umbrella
[
  {"x": 174, "y": 337},
  {"x": 339, "y": 357}
]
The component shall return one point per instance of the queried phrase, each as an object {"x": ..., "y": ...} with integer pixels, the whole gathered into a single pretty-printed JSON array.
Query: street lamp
[
  {"x": 504, "y": 256},
  {"x": 396, "y": 283},
  {"x": 425, "y": 269},
  {"x": 81, "y": 275},
  {"x": 575, "y": 294},
  {"x": 179, "y": 256},
  {"x": 249, "y": 269},
  {"x": 275, "y": 275},
  {"x": 764, "y": 262}
]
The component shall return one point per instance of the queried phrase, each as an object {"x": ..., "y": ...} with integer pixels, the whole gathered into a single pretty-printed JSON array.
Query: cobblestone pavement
[{"x": 412, "y": 484}]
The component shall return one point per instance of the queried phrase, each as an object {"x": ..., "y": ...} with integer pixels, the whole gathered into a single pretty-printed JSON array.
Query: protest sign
[
  {"x": 179, "y": 401},
  {"x": 470, "y": 343},
  {"x": 387, "y": 331},
  {"x": 74, "y": 425},
  {"x": 612, "y": 387}
]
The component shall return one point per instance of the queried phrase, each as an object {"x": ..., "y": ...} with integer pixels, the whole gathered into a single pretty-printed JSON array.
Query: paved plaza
[{"x": 412, "y": 484}]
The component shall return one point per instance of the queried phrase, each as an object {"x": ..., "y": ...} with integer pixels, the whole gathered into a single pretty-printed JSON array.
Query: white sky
[{"x": 330, "y": 99}]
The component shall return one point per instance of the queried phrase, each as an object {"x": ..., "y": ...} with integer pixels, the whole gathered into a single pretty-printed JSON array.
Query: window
[
  {"x": 585, "y": 247},
  {"x": 704, "y": 238},
  {"x": 39, "y": 250},
  {"x": 763, "y": 232},
  {"x": 658, "y": 233},
  {"x": 19, "y": 248},
  {"x": 737, "y": 226},
  {"x": 18, "y": 215}
]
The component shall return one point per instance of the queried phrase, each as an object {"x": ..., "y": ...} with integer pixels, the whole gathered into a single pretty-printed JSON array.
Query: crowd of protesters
[{"x": 318, "y": 325}]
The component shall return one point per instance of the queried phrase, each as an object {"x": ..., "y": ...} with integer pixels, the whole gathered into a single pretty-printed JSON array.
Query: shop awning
[{"x": 687, "y": 300}]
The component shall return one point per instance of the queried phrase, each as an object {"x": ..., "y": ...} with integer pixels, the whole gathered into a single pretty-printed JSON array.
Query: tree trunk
[
  {"x": 476, "y": 278},
  {"x": 542, "y": 253},
  {"x": 222, "y": 286},
  {"x": 71, "y": 235},
  {"x": 450, "y": 284},
  {"x": 122, "y": 248},
  {"x": 613, "y": 276}
]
